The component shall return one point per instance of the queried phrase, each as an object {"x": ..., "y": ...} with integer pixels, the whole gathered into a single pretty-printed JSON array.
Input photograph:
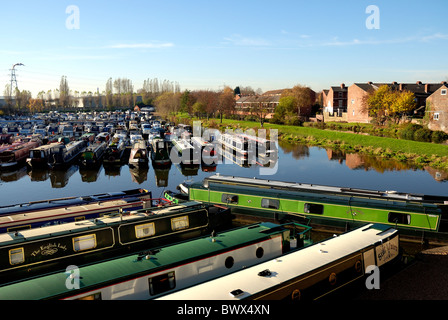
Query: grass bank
[{"x": 420, "y": 154}]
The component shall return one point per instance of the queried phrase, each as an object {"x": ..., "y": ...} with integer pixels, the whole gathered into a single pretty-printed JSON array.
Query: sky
[{"x": 209, "y": 44}]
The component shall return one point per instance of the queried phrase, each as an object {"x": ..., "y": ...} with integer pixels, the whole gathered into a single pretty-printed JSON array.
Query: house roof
[{"x": 417, "y": 88}]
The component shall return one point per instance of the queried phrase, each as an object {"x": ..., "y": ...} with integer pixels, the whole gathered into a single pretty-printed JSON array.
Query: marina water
[{"x": 296, "y": 163}]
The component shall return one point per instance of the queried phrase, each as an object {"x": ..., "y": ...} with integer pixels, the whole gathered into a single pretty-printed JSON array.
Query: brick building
[
  {"x": 437, "y": 109},
  {"x": 335, "y": 101},
  {"x": 354, "y": 109}
]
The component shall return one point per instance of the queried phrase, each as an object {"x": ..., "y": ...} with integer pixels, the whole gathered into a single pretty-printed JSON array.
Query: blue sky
[{"x": 210, "y": 44}]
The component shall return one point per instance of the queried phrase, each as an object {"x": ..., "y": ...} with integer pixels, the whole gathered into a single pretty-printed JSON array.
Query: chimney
[
  {"x": 427, "y": 88},
  {"x": 342, "y": 85},
  {"x": 401, "y": 87}
]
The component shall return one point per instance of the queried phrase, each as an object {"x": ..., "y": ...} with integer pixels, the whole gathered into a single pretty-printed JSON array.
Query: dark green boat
[{"x": 421, "y": 216}]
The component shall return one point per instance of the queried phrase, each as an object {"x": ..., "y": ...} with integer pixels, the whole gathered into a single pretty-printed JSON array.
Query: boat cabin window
[
  {"x": 162, "y": 283},
  {"x": 270, "y": 203},
  {"x": 400, "y": 218},
  {"x": 313, "y": 208},
  {"x": 84, "y": 242},
  {"x": 93, "y": 296},
  {"x": 16, "y": 256},
  {"x": 18, "y": 228},
  {"x": 229, "y": 198},
  {"x": 179, "y": 223},
  {"x": 145, "y": 230}
]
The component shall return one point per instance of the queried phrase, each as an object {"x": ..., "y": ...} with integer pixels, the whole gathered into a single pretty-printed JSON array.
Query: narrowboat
[
  {"x": 160, "y": 155},
  {"x": 234, "y": 148},
  {"x": 6, "y": 138},
  {"x": 207, "y": 150},
  {"x": 67, "y": 154},
  {"x": 417, "y": 216},
  {"x": 157, "y": 271},
  {"x": 261, "y": 150},
  {"x": 138, "y": 156},
  {"x": 184, "y": 153},
  {"x": 116, "y": 148},
  {"x": 32, "y": 252},
  {"x": 311, "y": 273},
  {"x": 92, "y": 156},
  {"x": 17, "y": 154},
  {"x": 70, "y": 202},
  {"x": 41, "y": 156}
]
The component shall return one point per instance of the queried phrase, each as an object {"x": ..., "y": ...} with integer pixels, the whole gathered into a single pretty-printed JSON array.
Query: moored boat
[
  {"x": 32, "y": 252},
  {"x": 415, "y": 215},
  {"x": 41, "y": 156},
  {"x": 161, "y": 270},
  {"x": 17, "y": 153},
  {"x": 184, "y": 153},
  {"x": 115, "y": 150},
  {"x": 138, "y": 156},
  {"x": 67, "y": 153},
  {"x": 160, "y": 155},
  {"x": 307, "y": 274},
  {"x": 93, "y": 155}
]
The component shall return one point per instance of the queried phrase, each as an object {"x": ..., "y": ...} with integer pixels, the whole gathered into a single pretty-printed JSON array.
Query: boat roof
[
  {"x": 286, "y": 267},
  {"x": 12, "y": 238},
  {"x": 295, "y": 186},
  {"x": 139, "y": 264}
]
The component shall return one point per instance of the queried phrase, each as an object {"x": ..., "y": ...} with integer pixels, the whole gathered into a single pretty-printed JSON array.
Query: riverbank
[{"x": 419, "y": 154}]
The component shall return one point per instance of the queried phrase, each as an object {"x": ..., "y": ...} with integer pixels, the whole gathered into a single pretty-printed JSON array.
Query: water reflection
[{"x": 296, "y": 163}]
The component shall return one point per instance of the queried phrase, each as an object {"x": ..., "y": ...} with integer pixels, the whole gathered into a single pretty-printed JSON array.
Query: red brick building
[
  {"x": 356, "y": 112},
  {"x": 437, "y": 109}
]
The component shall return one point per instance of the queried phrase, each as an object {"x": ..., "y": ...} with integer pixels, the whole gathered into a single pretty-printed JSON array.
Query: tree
[
  {"x": 286, "y": 111},
  {"x": 64, "y": 92},
  {"x": 226, "y": 102},
  {"x": 186, "y": 101},
  {"x": 305, "y": 99},
  {"x": 109, "y": 93},
  {"x": 388, "y": 104}
]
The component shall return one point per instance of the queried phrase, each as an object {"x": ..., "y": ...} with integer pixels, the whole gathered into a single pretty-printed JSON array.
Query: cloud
[{"x": 141, "y": 45}]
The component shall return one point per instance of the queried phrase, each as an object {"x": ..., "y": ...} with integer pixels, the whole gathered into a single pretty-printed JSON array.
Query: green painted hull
[{"x": 336, "y": 210}]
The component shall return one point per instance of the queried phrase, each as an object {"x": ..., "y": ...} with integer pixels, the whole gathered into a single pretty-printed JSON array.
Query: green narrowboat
[{"x": 422, "y": 216}]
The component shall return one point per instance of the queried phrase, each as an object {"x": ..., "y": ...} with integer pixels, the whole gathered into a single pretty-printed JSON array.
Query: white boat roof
[
  {"x": 285, "y": 267},
  {"x": 71, "y": 227},
  {"x": 309, "y": 187}
]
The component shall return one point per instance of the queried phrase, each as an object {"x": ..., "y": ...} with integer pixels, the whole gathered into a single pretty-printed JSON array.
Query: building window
[
  {"x": 443, "y": 92},
  {"x": 84, "y": 242},
  {"x": 353, "y": 111},
  {"x": 353, "y": 101},
  {"x": 436, "y": 116},
  {"x": 16, "y": 256}
]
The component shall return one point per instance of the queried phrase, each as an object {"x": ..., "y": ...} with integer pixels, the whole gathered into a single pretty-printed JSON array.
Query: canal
[{"x": 296, "y": 163}]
